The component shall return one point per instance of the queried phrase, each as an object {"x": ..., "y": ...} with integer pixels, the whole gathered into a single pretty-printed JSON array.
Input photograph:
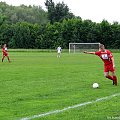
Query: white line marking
[{"x": 70, "y": 107}]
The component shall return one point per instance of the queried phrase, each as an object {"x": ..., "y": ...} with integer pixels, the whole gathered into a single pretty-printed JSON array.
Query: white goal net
[{"x": 80, "y": 47}]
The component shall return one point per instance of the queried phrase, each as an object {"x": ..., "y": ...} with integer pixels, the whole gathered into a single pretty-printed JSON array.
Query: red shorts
[
  {"x": 5, "y": 54},
  {"x": 108, "y": 68}
]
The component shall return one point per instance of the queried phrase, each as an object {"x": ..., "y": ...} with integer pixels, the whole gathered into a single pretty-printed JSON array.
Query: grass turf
[{"x": 35, "y": 83}]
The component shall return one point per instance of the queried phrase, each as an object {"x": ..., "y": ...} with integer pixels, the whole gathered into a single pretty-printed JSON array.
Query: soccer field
[{"x": 36, "y": 83}]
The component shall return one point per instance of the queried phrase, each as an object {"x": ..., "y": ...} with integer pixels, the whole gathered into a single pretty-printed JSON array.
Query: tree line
[{"x": 32, "y": 27}]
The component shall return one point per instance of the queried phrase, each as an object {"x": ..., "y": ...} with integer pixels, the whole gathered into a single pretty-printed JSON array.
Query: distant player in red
[
  {"x": 5, "y": 53},
  {"x": 109, "y": 65}
]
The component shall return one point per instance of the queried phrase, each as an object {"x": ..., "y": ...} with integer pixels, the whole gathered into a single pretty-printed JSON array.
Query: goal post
[{"x": 80, "y": 47}]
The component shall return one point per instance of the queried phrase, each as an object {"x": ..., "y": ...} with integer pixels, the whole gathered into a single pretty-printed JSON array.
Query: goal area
[{"x": 80, "y": 47}]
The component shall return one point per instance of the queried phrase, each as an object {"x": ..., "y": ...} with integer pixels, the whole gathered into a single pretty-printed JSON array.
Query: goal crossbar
[{"x": 76, "y": 46}]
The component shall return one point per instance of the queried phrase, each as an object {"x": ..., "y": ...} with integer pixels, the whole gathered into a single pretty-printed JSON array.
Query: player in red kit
[
  {"x": 5, "y": 53},
  {"x": 109, "y": 65}
]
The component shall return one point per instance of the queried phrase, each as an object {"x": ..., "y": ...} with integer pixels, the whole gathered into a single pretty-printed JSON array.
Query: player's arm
[
  {"x": 89, "y": 52},
  {"x": 112, "y": 58},
  {"x": 3, "y": 51},
  {"x": 113, "y": 61}
]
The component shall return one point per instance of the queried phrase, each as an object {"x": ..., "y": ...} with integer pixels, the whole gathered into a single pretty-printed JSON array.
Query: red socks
[{"x": 114, "y": 78}]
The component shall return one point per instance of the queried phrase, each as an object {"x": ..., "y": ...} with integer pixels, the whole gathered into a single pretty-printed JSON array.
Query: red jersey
[
  {"x": 105, "y": 56},
  {"x": 4, "y": 50}
]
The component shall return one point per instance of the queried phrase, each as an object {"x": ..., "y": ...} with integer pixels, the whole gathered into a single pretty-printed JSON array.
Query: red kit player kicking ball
[
  {"x": 109, "y": 65},
  {"x": 5, "y": 53}
]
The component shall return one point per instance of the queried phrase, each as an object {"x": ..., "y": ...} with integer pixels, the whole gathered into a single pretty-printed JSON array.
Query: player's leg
[
  {"x": 8, "y": 58},
  {"x": 3, "y": 58},
  {"x": 59, "y": 54},
  {"x": 106, "y": 74},
  {"x": 114, "y": 77},
  {"x": 112, "y": 70},
  {"x": 110, "y": 77}
]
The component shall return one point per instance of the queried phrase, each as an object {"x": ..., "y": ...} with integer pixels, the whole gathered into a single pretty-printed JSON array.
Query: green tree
[
  {"x": 58, "y": 12},
  {"x": 2, "y": 19},
  {"x": 25, "y": 34},
  {"x": 31, "y": 14}
]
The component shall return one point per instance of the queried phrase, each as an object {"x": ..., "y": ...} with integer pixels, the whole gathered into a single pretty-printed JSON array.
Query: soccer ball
[{"x": 95, "y": 85}]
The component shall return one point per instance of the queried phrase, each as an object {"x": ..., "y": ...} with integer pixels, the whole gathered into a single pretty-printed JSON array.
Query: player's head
[
  {"x": 102, "y": 47},
  {"x": 4, "y": 45}
]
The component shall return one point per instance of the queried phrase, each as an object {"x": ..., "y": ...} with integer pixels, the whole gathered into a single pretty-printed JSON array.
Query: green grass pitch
[{"x": 35, "y": 83}]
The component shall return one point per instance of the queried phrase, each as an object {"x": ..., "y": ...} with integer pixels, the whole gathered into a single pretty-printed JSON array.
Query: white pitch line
[{"x": 70, "y": 107}]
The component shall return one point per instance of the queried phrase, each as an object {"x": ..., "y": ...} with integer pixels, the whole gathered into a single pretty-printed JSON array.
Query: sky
[{"x": 95, "y": 10}]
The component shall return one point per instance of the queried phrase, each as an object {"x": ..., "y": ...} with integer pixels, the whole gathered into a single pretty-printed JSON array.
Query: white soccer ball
[{"x": 95, "y": 85}]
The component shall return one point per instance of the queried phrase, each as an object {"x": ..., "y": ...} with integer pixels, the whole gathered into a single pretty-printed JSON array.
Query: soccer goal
[{"x": 80, "y": 47}]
